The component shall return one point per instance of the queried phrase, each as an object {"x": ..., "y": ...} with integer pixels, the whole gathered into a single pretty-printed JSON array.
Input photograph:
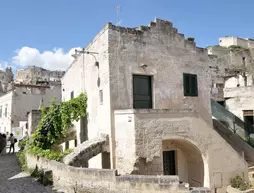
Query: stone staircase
[{"x": 85, "y": 151}]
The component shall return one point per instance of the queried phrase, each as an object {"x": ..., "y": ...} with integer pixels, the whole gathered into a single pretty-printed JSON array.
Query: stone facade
[
  {"x": 33, "y": 74},
  {"x": 137, "y": 140}
]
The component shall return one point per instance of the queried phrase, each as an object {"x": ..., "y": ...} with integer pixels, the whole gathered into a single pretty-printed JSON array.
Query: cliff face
[{"x": 33, "y": 74}]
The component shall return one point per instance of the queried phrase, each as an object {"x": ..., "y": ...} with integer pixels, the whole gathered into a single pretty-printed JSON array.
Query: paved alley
[{"x": 12, "y": 180}]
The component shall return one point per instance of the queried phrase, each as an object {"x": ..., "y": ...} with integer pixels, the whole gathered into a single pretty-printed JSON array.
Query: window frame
[
  {"x": 192, "y": 89},
  {"x": 151, "y": 89}
]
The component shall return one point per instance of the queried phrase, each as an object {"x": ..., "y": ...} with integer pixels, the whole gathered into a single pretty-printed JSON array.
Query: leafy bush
[
  {"x": 23, "y": 142},
  {"x": 49, "y": 154},
  {"x": 239, "y": 183},
  {"x": 237, "y": 48},
  {"x": 22, "y": 160},
  {"x": 37, "y": 173},
  {"x": 55, "y": 122}
]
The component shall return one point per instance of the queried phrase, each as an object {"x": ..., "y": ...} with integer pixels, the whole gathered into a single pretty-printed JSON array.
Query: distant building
[
  {"x": 231, "y": 40},
  {"x": 38, "y": 75},
  {"x": 21, "y": 99},
  {"x": 236, "y": 57}
]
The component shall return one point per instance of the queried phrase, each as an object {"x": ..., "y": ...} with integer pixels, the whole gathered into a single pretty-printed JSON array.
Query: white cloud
[
  {"x": 4, "y": 65},
  {"x": 56, "y": 59}
]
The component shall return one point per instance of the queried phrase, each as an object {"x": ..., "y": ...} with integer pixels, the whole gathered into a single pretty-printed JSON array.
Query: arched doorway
[{"x": 182, "y": 158}]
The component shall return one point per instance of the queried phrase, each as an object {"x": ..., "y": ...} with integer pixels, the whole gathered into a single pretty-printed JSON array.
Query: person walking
[{"x": 12, "y": 140}]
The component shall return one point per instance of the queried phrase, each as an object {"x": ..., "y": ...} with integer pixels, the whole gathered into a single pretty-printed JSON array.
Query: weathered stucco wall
[
  {"x": 27, "y": 99},
  {"x": 84, "y": 76},
  {"x": 148, "y": 132},
  {"x": 106, "y": 180},
  {"x": 167, "y": 55}
]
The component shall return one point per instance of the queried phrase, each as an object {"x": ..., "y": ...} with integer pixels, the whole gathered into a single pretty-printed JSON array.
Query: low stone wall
[
  {"x": 80, "y": 180},
  {"x": 233, "y": 190}
]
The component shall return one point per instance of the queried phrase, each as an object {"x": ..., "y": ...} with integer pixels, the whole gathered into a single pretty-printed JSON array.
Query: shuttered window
[
  {"x": 142, "y": 92},
  {"x": 190, "y": 84}
]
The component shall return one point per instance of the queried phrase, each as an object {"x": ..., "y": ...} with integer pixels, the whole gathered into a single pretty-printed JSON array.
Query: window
[
  {"x": 72, "y": 94},
  {"x": 190, "y": 84},
  {"x": 5, "y": 113},
  {"x": 142, "y": 92},
  {"x": 101, "y": 97},
  {"x": 244, "y": 61},
  {"x": 1, "y": 111}
]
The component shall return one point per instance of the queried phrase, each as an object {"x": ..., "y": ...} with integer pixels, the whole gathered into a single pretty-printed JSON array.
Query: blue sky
[{"x": 48, "y": 24}]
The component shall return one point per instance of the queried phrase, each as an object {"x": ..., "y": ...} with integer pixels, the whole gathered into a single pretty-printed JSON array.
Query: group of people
[{"x": 3, "y": 143}]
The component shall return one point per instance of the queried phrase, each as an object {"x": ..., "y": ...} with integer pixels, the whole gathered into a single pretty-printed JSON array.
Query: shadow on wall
[
  {"x": 179, "y": 157},
  {"x": 187, "y": 161}
]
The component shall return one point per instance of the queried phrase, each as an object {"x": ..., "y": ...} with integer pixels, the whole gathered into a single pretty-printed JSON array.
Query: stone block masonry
[{"x": 73, "y": 179}]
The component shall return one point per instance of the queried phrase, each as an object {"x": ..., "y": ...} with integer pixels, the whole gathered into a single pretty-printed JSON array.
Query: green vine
[
  {"x": 236, "y": 48},
  {"x": 54, "y": 126}
]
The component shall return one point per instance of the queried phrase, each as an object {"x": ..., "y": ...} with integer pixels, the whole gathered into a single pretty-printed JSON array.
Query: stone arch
[{"x": 191, "y": 162}]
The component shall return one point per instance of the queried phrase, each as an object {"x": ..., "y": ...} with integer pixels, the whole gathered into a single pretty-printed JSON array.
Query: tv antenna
[{"x": 118, "y": 8}]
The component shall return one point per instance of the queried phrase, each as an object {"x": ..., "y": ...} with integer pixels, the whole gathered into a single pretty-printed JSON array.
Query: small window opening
[{"x": 101, "y": 97}]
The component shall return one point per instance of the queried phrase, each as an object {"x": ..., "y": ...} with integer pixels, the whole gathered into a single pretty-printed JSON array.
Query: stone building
[
  {"x": 237, "y": 54},
  {"x": 38, "y": 75},
  {"x": 149, "y": 90},
  {"x": 21, "y": 99}
]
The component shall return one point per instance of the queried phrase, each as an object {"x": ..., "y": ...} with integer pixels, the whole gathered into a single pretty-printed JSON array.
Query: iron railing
[{"x": 244, "y": 129}]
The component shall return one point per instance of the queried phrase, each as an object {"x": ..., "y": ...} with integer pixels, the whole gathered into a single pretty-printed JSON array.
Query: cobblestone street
[{"x": 12, "y": 180}]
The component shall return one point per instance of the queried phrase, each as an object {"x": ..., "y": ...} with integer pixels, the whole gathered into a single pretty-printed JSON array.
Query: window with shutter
[
  {"x": 142, "y": 92},
  {"x": 190, "y": 84}
]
